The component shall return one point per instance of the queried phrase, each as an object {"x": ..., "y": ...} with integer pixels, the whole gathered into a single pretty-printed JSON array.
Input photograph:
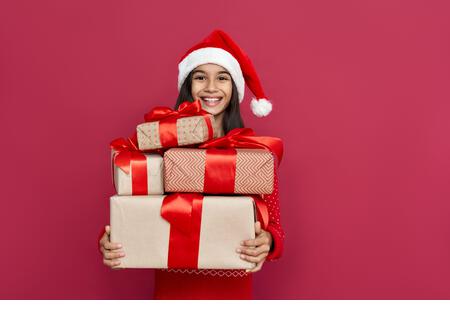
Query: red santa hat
[{"x": 219, "y": 48}]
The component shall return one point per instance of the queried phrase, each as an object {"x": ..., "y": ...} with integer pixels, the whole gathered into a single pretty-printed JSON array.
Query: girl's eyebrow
[{"x": 226, "y": 72}]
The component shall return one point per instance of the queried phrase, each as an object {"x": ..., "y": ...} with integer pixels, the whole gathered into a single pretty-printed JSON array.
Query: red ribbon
[
  {"x": 129, "y": 159},
  {"x": 168, "y": 117},
  {"x": 262, "y": 212},
  {"x": 184, "y": 213},
  {"x": 245, "y": 138},
  {"x": 220, "y": 171},
  {"x": 220, "y": 166}
]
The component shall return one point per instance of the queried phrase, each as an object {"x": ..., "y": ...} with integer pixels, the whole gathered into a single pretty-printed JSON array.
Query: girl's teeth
[{"x": 211, "y": 101}]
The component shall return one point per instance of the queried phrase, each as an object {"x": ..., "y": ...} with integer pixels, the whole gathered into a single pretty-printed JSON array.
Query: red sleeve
[{"x": 273, "y": 205}]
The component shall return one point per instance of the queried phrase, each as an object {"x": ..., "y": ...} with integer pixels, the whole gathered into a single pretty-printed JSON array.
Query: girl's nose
[{"x": 211, "y": 86}]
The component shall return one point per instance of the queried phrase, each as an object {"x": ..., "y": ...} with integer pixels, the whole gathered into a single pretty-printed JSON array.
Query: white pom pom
[{"x": 261, "y": 107}]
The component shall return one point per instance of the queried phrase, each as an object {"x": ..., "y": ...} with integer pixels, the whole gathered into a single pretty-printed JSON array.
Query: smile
[{"x": 211, "y": 101}]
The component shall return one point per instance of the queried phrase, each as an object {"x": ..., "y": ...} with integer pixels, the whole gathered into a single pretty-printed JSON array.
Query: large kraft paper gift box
[
  {"x": 219, "y": 171},
  {"x": 150, "y": 241},
  {"x": 135, "y": 172},
  {"x": 166, "y": 128}
]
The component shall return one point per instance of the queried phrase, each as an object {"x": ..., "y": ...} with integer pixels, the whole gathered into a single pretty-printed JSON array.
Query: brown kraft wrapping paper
[
  {"x": 226, "y": 221},
  {"x": 155, "y": 178},
  {"x": 184, "y": 171}
]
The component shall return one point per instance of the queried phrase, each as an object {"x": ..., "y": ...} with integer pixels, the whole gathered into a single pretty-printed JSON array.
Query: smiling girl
[{"x": 216, "y": 71}]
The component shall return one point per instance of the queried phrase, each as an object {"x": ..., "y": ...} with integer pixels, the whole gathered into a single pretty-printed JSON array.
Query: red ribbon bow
[
  {"x": 246, "y": 138},
  {"x": 128, "y": 156},
  {"x": 186, "y": 109},
  {"x": 126, "y": 150}
]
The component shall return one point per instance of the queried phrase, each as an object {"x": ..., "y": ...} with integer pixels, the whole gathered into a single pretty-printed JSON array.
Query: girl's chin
[{"x": 213, "y": 110}]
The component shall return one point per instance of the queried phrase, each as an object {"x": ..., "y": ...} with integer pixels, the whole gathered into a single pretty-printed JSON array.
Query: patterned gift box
[
  {"x": 150, "y": 241},
  {"x": 165, "y": 128},
  {"x": 241, "y": 171}
]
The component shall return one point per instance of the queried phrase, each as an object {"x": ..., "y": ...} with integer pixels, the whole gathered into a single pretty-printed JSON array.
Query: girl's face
[{"x": 212, "y": 84}]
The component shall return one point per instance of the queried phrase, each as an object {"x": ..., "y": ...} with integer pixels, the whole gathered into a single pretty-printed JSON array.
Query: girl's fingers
[
  {"x": 257, "y": 227},
  {"x": 114, "y": 255},
  {"x": 255, "y": 242},
  {"x": 111, "y": 263},
  {"x": 111, "y": 251},
  {"x": 254, "y": 251},
  {"x": 256, "y": 268},
  {"x": 115, "y": 263},
  {"x": 106, "y": 243},
  {"x": 104, "y": 238},
  {"x": 256, "y": 259},
  {"x": 111, "y": 246}
]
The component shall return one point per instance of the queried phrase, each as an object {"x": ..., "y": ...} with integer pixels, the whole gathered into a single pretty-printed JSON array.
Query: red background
[{"x": 361, "y": 99}]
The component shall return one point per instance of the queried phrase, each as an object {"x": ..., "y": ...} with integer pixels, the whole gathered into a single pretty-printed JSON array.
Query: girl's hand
[
  {"x": 256, "y": 250},
  {"x": 111, "y": 251}
]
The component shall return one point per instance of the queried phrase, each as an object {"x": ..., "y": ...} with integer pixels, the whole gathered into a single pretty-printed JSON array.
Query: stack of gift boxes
[{"x": 185, "y": 197}]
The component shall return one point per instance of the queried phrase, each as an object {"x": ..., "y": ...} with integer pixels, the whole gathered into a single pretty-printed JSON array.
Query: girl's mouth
[{"x": 211, "y": 101}]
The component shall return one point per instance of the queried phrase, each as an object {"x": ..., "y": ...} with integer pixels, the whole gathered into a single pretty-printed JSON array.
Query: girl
[{"x": 216, "y": 71}]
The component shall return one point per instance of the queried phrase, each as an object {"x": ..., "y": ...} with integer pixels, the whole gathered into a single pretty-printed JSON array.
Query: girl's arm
[{"x": 273, "y": 205}]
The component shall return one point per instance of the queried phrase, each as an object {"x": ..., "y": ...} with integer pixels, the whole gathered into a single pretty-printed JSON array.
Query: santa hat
[{"x": 219, "y": 48}]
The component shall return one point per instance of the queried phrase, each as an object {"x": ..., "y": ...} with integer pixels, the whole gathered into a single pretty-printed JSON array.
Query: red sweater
[{"x": 220, "y": 284}]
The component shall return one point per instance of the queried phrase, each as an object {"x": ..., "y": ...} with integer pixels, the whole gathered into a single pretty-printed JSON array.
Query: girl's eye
[
  {"x": 223, "y": 78},
  {"x": 199, "y": 77}
]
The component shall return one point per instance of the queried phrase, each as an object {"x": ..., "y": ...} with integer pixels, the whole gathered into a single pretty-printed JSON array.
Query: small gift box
[
  {"x": 166, "y": 128},
  {"x": 183, "y": 230},
  {"x": 135, "y": 173},
  {"x": 219, "y": 171}
]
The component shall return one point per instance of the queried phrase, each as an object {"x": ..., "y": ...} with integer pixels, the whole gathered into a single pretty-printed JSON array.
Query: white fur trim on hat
[
  {"x": 212, "y": 55},
  {"x": 261, "y": 107}
]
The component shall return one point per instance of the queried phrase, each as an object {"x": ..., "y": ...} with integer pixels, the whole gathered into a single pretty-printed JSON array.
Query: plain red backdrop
[{"x": 361, "y": 99}]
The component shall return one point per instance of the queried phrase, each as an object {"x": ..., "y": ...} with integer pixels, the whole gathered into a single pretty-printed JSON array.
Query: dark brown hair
[{"x": 232, "y": 115}]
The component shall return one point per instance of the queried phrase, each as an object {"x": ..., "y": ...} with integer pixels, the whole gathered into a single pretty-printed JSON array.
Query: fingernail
[
  {"x": 242, "y": 256},
  {"x": 119, "y": 245},
  {"x": 242, "y": 243},
  {"x": 122, "y": 254},
  {"x": 238, "y": 250}
]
